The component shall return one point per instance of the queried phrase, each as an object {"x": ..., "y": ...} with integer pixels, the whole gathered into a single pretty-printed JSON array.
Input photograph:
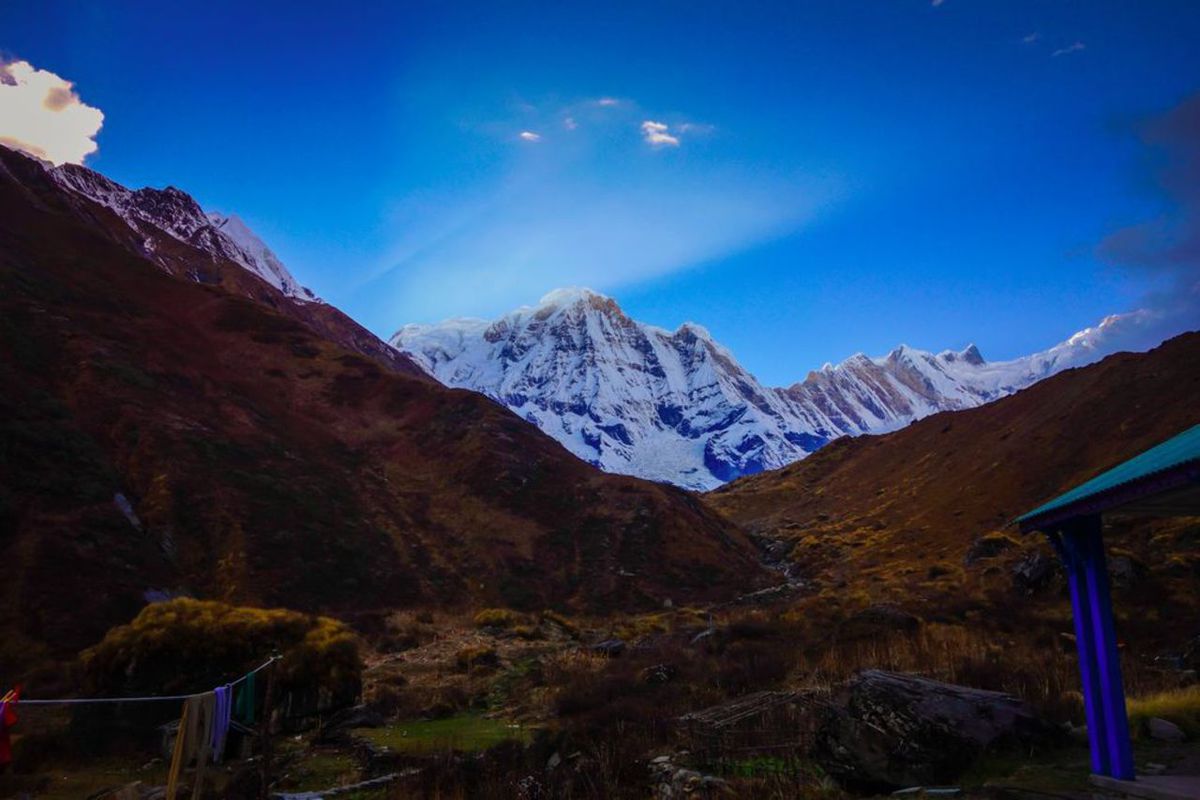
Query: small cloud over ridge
[{"x": 41, "y": 114}]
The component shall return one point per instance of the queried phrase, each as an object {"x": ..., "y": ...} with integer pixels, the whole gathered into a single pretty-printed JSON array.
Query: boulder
[
  {"x": 609, "y": 647},
  {"x": 988, "y": 546},
  {"x": 1164, "y": 731},
  {"x": 889, "y": 730},
  {"x": 671, "y": 782},
  {"x": 340, "y": 723},
  {"x": 658, "y": 674},
  {"x": 1035, "y": 573},
  {"x": 1126, "y": 571}
]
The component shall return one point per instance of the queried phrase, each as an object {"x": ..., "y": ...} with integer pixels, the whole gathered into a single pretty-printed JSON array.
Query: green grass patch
[
  {"x": 467, "y": 733},
  {"x": 1057, "y": 770},
  {"x": 317, "y": 771}
]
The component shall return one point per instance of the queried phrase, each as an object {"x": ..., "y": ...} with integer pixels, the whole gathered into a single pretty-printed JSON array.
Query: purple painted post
[
  {"x": 1068, "y": 547},
  {"x": 1108, "y": 659}
]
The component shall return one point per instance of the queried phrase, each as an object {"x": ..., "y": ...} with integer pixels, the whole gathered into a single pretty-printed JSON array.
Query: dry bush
[
  {"x": 499, "y": 618},
  {"x": 564, "y": 665},
  {"x": 475, "y": 656},
  {"x": 560, "y": 621}
]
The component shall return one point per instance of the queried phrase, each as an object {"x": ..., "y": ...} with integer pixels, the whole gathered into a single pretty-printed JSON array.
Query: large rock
[
  {"x": 889, "y": 730},
  {"x": 1035, "y": 573},
  {"x": 1164, "y": 730}
]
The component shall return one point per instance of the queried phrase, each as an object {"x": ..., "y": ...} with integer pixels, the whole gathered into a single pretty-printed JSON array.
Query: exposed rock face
[{"x": 892, "y": 730}]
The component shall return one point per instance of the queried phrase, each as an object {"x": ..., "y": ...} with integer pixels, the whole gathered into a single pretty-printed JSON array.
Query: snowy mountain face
[
  {"x": 151, "y": 212},
  {"x": 676, "y": 406}
]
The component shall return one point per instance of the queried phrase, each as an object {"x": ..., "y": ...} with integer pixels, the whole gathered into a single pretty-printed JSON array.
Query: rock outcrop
[{"x": 889, "y": 730}]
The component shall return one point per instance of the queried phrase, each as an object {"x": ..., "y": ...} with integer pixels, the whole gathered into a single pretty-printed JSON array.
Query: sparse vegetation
[
  {"x": 1180, "y": 706},
  {"x": 467, "y": 733},
  {"x": 498, "y": 618}
]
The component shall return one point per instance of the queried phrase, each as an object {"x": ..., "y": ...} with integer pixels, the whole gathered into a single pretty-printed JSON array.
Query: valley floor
[{"x": 510, "y": 705}]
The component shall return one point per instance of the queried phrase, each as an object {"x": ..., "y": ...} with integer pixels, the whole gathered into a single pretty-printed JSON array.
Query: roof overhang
[
  {"x": 1162, "y": 481},
  {"x": 1173, "y": 492}
]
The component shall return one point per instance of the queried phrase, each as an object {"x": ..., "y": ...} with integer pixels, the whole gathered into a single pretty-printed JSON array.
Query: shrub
[
  {"x": 497, "y": 618},
  {"x": 553, "y": 619},
  {"x": 476, "y": 655},
  {"x": 190, "y": 645}
]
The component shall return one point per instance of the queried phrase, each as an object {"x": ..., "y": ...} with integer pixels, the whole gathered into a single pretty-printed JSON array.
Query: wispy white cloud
[
  {"x": 41, "y": 114},
  {"x": 574, "y": 217},
  {"x": 570, "y": 124},
  {"x": 1074, "y": 47},
  {"x": 656, "y": 134},
  {"x": 608, "y": 101},
  {"x": 1030, "y": 38},
  {"x": 936, "y": 3},
  {"x": 530, "y": 136}
]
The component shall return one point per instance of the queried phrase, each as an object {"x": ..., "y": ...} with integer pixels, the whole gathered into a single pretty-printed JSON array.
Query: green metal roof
[{"x": 1172, "y": 453}]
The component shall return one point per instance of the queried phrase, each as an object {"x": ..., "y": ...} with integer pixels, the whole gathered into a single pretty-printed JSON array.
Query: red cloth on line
[{"x": 8, "y": 718}]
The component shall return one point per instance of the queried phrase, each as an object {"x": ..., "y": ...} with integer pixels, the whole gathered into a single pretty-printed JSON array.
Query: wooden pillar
[
  {"x": 1108, "y": 658},
  {"x": 1088, "y": 669},
  {"x": 1099, "y": 661}
]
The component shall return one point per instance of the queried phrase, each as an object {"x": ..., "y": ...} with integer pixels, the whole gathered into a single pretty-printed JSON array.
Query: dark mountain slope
[{"x": 266, "y": 464}]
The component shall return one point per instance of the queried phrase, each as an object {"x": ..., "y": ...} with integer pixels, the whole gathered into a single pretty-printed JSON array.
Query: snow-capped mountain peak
[
  {"x": 676, "y": 405},
  {"x": 258, "y": 258},
  {"x": 151, "y": 212}
]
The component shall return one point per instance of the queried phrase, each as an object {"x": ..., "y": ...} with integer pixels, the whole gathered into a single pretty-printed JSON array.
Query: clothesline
[{"x": 82, "y": 700}]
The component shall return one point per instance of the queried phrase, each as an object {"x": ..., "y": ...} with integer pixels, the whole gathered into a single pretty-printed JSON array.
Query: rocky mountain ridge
[{"x": 676, "y": 406}]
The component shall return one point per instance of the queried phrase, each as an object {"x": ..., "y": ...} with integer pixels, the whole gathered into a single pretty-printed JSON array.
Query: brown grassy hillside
[
  {"x": 268, "y": 465},
  {"x": 892, "y": 518}
]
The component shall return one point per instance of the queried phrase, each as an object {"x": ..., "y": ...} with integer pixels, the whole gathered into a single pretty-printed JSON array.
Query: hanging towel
[
  {"x": 223, "y": 705},
  {"x": 8, "y": 718},
  {"x": 244, "y": 707},
  {"x": 177, "y": 754},
  {"x": 204, "y": 731}
]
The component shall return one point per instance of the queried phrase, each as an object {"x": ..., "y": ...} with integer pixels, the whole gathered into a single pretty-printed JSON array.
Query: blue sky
[{"x": 843, "y": 176}]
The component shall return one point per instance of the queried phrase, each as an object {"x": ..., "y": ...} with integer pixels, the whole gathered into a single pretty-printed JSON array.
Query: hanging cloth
[
  {"x": 206, "y": 704},
  {"x": 223, "y": 706},
  {"x": 244, "y": 706},
  {"x": 177, "y": 753},
  {"x": 8, "y": 718}
]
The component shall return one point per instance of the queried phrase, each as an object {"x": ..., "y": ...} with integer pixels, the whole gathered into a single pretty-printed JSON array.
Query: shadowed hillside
[{"x": 160, "y": 435}]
